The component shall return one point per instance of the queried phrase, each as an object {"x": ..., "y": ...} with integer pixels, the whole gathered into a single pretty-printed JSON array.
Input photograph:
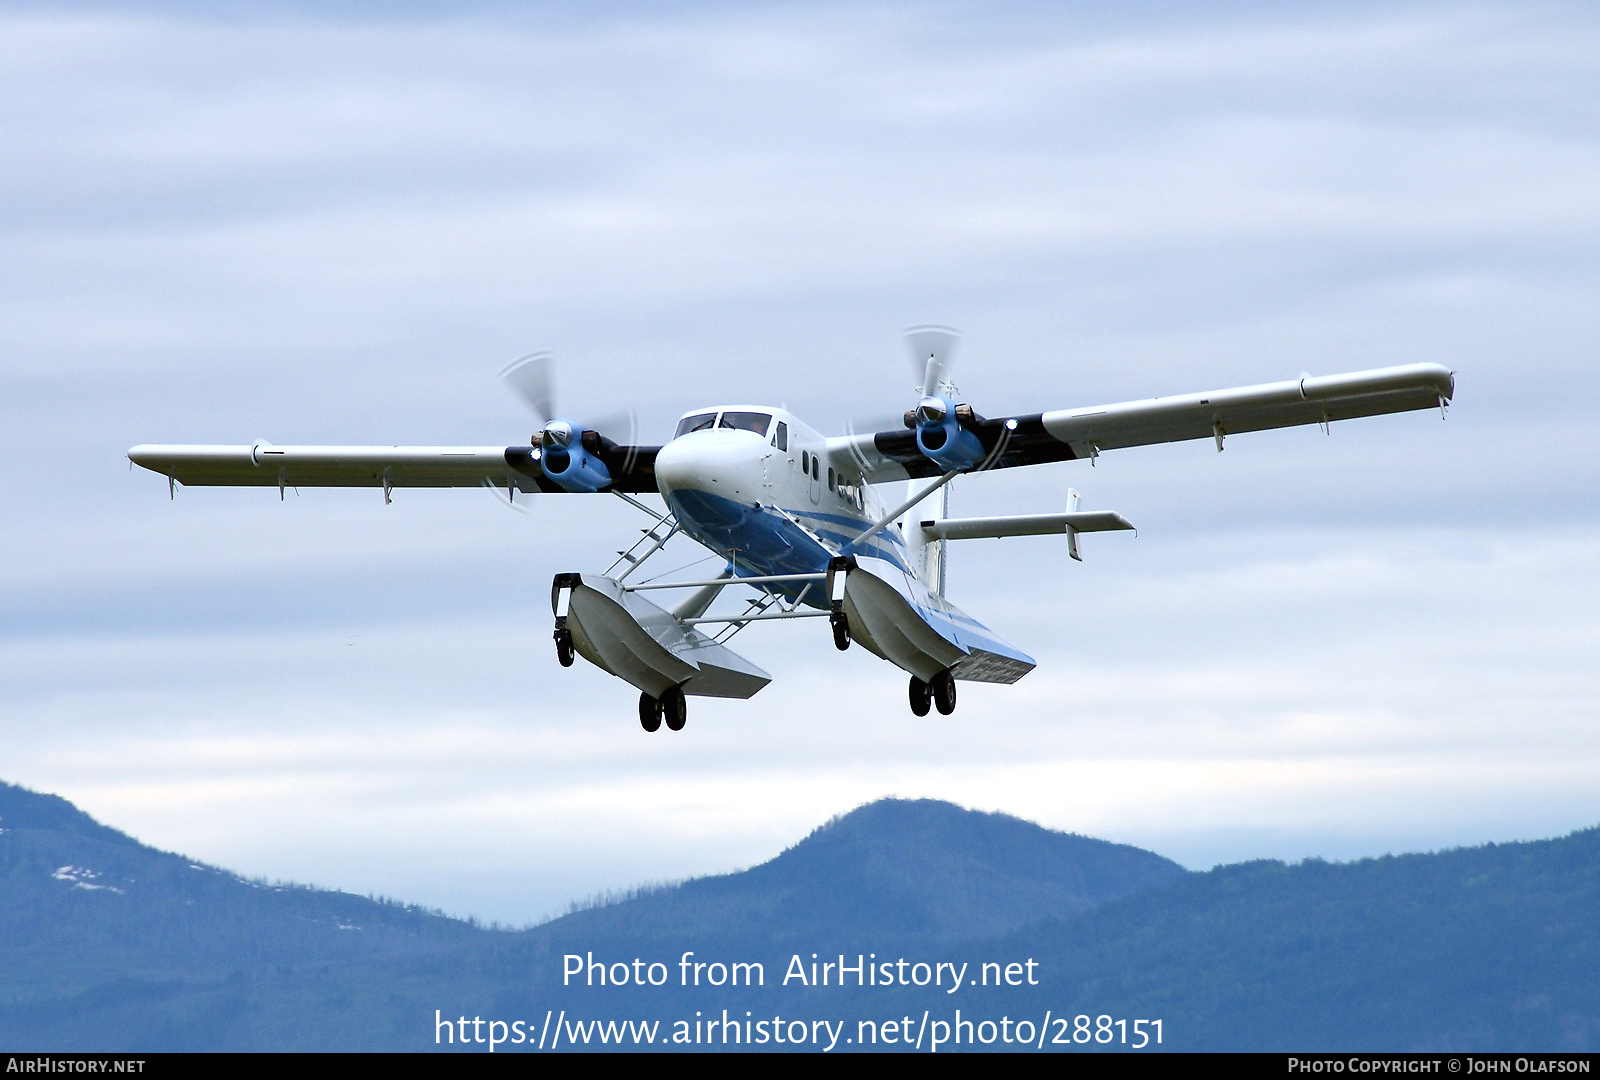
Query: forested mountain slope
[{"x": 108, "y": 944}]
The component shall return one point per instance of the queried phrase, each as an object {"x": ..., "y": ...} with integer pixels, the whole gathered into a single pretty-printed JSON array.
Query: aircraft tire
[
  {"x": 841, "y": 632},
  {"x": 564, "y": 647},
  {"x": 944, "y": 693},
  {"x": 649, "y": 713},
  {"x": 675, "y": 709},
  {"x": 921, "y": 696}
]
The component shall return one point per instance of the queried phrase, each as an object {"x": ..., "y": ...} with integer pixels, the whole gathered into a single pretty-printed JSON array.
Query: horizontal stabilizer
[{"x": 1025, "y": 525}]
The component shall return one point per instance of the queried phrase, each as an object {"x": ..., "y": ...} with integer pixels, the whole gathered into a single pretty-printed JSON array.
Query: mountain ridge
[
  {"x": 996, "y": 872},
  {"x": 107, "y": 944}
]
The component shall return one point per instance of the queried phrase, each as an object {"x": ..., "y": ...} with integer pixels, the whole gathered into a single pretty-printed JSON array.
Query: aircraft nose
[{"x": 718, "y": 462}]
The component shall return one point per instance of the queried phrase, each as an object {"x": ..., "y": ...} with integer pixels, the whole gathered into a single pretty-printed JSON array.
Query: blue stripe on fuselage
[
  {"x": 757, "y": 541},
  {"x": 761, "y": 541}
]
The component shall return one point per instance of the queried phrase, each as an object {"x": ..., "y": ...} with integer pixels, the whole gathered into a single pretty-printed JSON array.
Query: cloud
[{"x": 335, "y": 228}]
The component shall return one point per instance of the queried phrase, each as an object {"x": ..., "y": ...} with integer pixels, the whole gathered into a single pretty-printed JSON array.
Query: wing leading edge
[
  {"x": 1067, "y": 434},
  {"x": 264, "y": 465}
]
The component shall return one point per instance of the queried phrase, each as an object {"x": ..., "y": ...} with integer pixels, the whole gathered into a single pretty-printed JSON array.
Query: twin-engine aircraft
[{"x": 799, "y": 517}]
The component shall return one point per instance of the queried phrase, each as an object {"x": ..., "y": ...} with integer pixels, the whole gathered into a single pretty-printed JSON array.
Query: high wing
[
  {"x": 1067, "y": 434},
  {"x": 263, "y": 465}
]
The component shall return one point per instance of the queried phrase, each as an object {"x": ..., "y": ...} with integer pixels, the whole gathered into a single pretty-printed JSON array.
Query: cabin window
[
  {"x": 815, "y": 475},
  {"x": 805, "y": 461},
  {"x": 697, "y": 422},
  {"x": 780, "y": 437},
  {"x": 746, "y": 421},
  {"x": 830, "y": 478}
]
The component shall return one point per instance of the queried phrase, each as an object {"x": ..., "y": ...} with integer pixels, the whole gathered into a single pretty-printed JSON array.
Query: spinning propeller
[
  {"x": 569, "y": 451},
  {"x": 937, "y": 419},
  {"x": 932, "y": 349}
]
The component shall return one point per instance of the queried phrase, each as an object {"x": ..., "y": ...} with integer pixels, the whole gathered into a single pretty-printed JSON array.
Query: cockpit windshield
[
  {"x": 747, "y": 421},
  {"x": 757, "y": 422},
  {"x": 697, "y": 422}
]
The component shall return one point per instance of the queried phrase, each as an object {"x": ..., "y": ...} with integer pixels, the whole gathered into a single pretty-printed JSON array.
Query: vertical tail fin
[{"x": 927, "y": 554}]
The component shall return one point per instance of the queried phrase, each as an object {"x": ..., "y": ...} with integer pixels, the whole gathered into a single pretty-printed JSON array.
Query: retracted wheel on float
[
  {"x": 649, "y": 713},
  {"x": 841, "y": 631},
  {"x": 944, "y": 693},
  {"x": 675, "y": 709},
  {"x": 564, "y": 646},
  {"x": 921, "y": 696}
]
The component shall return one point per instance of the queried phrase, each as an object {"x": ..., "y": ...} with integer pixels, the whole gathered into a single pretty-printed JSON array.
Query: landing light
[{"x": 931, "y": 411}]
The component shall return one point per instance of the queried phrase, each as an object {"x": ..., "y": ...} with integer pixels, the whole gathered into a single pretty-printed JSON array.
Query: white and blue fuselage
[{"x": 764, "y": 490}]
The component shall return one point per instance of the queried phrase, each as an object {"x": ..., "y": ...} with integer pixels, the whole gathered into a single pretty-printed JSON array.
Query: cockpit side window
[
  {"x": 780, "y": 437},
  {"x": 747, "y": 421},
  {"x": 697, "y": 422}
]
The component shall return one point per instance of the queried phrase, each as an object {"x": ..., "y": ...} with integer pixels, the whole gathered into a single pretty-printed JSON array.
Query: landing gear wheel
[
  {"x": 564, "y": 646},
  {"x": 649, "y": 713},
  {"x": 921, "y": 696},
  {"x": 944, "y": 693},
  {"x": 841, "y": 631},
  {"x": 675, "y": 709}
]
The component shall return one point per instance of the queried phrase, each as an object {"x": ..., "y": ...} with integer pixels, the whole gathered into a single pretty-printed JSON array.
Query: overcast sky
[{"x": 334, "y": 228}]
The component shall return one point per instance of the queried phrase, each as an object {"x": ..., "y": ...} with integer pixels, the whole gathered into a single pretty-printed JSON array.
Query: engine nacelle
[
  {"x": 942, "y": 439},
  {"x": 566, "y": 461}
]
